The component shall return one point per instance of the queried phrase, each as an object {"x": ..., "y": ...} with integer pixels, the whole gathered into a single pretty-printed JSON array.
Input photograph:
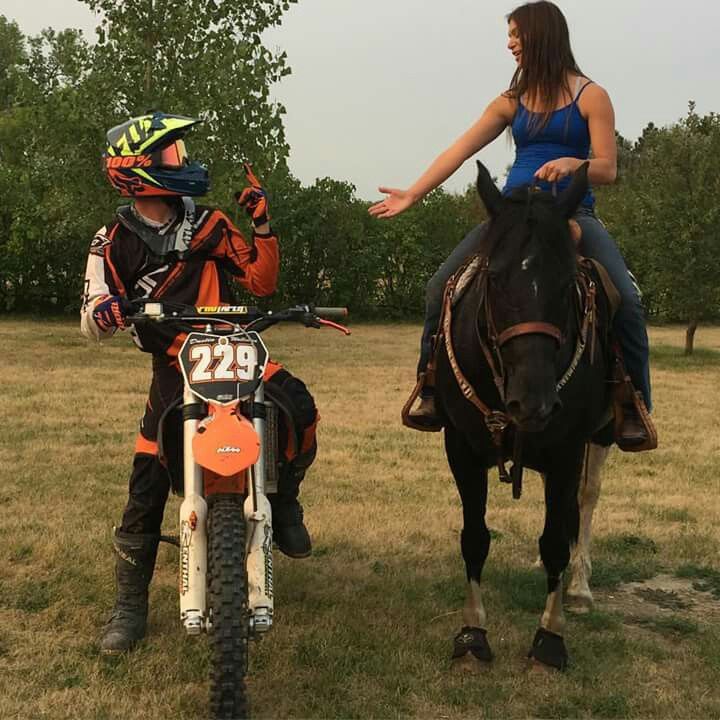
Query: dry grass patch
[{"x": 364, "y": 627}]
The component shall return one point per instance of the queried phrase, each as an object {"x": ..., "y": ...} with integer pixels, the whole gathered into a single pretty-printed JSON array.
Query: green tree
[
  {"x": 47, "y": 173},
  {"x": 410, "y": 247},
  {"x": 13, "y": 56},
  {"x": 323, "y": 243},
  {"x": 665, "y": 212}
]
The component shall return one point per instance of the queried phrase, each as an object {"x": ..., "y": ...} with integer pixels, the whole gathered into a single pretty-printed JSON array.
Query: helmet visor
[{"x": 173, "y": 156}]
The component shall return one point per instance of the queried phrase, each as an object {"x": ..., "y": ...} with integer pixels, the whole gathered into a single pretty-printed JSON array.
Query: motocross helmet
[{"x": 146, "y": 157}]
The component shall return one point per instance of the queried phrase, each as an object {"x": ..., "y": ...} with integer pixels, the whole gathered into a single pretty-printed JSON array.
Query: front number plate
[{"x": 222, "y": 368}]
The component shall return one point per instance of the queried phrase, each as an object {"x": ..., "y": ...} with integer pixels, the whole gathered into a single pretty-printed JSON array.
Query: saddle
[{"x": 626, "y": 400}]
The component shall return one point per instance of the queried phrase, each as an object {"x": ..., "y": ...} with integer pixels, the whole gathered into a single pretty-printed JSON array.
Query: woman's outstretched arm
[{"x": 497, "y": 116}]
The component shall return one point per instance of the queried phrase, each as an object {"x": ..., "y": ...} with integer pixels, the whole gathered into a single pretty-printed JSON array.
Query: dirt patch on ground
[{"x": 664, "y": 597}]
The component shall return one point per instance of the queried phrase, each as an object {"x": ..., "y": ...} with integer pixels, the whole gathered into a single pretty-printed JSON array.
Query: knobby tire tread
[{"x": 228, "y": 598}]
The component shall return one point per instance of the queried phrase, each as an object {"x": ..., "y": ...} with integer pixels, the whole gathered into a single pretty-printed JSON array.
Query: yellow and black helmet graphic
[
  {"x": 146, "y": 156},
  {"x": 146, "y": 133}
]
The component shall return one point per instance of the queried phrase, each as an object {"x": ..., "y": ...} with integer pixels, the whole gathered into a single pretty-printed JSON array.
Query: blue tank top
[{"x": 565, "y": 135}]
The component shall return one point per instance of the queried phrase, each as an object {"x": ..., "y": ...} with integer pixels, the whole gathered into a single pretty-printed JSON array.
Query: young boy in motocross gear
[{"x": 163, "y": 246}]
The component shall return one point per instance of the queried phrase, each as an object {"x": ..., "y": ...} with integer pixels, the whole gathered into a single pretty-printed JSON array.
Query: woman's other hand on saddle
[
  {"x": 397, "y": 201},
  {"x": 558, "y": 169}
]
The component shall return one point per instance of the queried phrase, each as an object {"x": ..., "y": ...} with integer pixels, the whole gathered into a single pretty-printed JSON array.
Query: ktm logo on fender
[{"x": 141, "y": 161}]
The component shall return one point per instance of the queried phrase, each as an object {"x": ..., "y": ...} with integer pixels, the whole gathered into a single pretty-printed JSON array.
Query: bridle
[
  {"x": 530, "y": 328},
  {"x": 497, "y": 421},
  {"x": 496, "y": 340}
]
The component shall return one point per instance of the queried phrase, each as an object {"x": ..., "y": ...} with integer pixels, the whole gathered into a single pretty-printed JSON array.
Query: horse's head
[{"x": 530, "y": 281}]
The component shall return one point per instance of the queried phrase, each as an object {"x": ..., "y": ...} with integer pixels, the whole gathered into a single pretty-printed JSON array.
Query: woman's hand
[
  {"x": 397, "y": 201},
  {"x": 558, "y": 169}
]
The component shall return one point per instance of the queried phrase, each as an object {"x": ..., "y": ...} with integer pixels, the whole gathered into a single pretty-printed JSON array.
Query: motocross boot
[
  {"x": 134, "y": 567},
  {"x": 289, "y": 530}
]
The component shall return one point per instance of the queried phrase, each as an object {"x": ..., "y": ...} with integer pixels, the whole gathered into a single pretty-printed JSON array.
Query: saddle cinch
[{"x": 624, "y": 396}]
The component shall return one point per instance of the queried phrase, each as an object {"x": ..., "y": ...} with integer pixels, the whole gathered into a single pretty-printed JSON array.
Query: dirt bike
[{"x": 229, "y": 459}]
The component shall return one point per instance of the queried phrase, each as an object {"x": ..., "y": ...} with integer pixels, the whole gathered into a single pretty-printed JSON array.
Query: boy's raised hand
[{"x": 254, "y": 199}]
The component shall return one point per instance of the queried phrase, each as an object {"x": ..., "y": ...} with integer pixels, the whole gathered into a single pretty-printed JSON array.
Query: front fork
[
  {"x": 193, "y": 528},
  {"x": 193, "y": 533},
  {"x": 258, "y": 519}
]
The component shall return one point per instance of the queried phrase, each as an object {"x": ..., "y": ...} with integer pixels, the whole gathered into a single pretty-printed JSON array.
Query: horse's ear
[
  {"x": 573, "y": 194},
  {"x": 488, "y": 191}
]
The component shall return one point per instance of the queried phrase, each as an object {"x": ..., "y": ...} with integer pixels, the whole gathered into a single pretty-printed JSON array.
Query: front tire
[{"x": 228, "y": 603}]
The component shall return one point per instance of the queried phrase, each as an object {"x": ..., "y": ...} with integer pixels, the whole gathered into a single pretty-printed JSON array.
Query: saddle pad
[{"x": 466, "y": 275}]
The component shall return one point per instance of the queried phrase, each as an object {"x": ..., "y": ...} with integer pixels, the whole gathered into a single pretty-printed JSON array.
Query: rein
[{"x": 496, "y": 421}]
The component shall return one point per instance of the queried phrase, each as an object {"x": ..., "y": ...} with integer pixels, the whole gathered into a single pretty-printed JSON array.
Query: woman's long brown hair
[{"x": 546, "y": 59}]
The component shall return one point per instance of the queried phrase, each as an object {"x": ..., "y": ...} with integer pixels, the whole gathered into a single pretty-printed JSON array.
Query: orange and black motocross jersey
[{"x": 121, "y": 263}]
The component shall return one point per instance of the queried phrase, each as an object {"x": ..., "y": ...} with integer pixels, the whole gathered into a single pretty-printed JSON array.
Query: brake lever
[
  {"x": 310, "y": 319},
  {"x": 334, "y": 325}
]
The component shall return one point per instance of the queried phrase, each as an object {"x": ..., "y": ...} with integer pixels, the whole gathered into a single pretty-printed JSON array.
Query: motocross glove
[
  {"x": 254, "y": 199},
  {"x": 110, "y": 313}
]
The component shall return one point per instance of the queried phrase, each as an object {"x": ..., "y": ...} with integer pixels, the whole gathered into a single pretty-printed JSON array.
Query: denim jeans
[{"x": 629, "y": 323}]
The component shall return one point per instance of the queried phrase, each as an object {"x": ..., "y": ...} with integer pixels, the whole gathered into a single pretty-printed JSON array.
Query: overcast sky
[{"x": 380, "y": 87}]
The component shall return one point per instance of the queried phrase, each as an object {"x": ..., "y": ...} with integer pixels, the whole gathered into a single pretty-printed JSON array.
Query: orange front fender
[{"x": 226, "y": 443}]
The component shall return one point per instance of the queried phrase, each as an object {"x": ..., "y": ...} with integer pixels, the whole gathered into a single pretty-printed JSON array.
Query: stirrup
[
  {"x": 629, "y": 401},
  {"x": 634, "y": 409},
  {"x": 424, "y": 422}
]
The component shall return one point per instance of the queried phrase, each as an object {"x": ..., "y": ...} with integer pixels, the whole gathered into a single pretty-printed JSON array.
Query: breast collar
[{"x": 163, "y": 240}]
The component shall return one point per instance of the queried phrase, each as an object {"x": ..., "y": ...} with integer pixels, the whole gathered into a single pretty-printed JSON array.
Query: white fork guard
[
  {"x": 259, "y": 562},
  {"x": 193, "y": 536}
]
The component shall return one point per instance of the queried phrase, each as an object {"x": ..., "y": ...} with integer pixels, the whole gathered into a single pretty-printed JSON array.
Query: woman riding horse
[{"x": 557, "y": 115}]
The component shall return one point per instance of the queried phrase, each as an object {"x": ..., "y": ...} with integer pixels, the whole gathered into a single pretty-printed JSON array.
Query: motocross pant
[{"x": 150, "y": 478}]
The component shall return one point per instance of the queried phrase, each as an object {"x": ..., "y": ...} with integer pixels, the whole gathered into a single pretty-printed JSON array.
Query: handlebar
[
  {"x": 250, "y": 318},
  {"x": 331, "y": 313}
]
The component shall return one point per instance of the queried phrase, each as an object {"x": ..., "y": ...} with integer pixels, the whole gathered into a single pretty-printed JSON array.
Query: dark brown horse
[{"x": 524, "y": 376}]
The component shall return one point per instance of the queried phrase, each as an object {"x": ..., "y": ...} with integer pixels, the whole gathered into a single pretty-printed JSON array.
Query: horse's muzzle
[{"x": 533, "y": 417}]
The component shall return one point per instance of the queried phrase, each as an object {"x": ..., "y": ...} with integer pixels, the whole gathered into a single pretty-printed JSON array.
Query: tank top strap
[{"x": 580, "y": 90}]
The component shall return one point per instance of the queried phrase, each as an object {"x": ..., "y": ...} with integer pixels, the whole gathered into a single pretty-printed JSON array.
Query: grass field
[{"x": 363, "y": 628}]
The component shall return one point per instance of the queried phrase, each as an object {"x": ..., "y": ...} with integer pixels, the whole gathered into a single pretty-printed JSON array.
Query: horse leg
[
  {"x": 471, "y": 648},
  {"x": 561, "y": 529},
  {"x": 538, "y": 564},
  {"x": 579, "y": 596}
]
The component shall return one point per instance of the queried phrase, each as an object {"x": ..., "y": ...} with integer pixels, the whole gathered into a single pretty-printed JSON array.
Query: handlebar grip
[{"x": 331, "y": 313}]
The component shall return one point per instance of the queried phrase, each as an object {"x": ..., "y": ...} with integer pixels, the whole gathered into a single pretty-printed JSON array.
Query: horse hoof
[
  {"x": 549, "y": 650},
  {"x": 578, "y": 604},
  {"x": 471, "y": 650}
]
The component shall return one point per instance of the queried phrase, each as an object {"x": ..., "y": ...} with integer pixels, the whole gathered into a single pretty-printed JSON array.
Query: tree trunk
[{"x": 690, "y": 337}]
